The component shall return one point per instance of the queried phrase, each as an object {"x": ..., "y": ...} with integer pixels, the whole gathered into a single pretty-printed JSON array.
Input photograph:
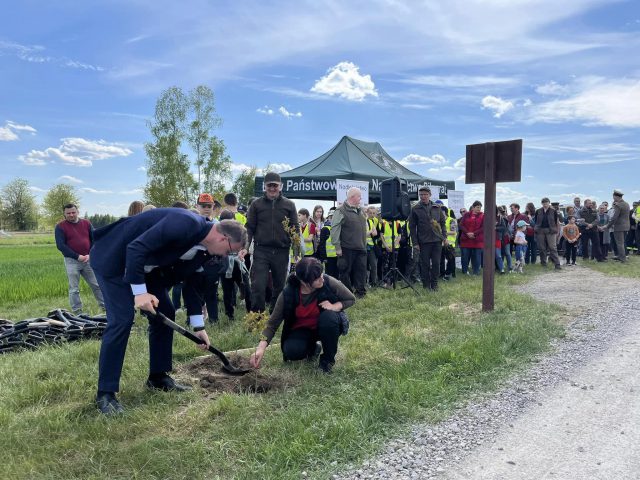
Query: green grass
[
  {"x": 406, "y": 358},
  {"x": 630, "y": 269}
]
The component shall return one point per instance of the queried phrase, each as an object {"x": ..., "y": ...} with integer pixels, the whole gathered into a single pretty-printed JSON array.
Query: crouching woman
[{"x": 312, "y": 307}]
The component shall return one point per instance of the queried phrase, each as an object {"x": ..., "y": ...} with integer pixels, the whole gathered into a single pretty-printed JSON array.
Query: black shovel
[{"x": 226, "y": 365}]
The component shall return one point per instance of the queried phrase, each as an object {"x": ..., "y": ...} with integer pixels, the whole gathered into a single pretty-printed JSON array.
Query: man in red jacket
[{"x": 74, "y": 237}]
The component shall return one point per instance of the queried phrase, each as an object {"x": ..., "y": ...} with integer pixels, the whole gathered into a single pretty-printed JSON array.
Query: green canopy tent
[{"x": 350, "y": 159}]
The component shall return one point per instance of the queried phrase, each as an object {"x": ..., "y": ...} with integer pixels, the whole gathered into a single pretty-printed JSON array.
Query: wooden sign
[{"x": 490, "y": 163}]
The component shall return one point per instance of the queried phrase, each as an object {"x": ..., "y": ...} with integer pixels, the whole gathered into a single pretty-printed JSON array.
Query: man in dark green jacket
[
  {"x": 271, "y": 241},
  {"x": 427, "y": 224}
]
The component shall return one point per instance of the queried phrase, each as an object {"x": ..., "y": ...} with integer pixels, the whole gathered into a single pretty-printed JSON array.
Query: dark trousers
[
  {"x": 532, "y": 250},
  {"x": 473, "y": 254},
  {"x": 265, "y": 260},
  {"x": 591, "y": 235},
  {"x": 570, "y": 251},
  {"x": 604, "y": 247},
  {"x": 208, "y": 289},
  {"x": 352, "y": 268},
  {"x": 372, "y": 266},
  {"x": 331, "y": 267},
  {"x": 430, "y": 263},
  {"x": 229, "y": 291},
  {"x": 301, "y": 342},
  {"x": 176, "y": 296},
  {"x": 120, "y": 313}
]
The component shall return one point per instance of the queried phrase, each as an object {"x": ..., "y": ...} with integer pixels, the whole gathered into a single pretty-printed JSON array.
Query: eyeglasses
[
  {"x": 273, "y": 185},
  {"x": 230, "y": 252},
  {"x": 206, "y": 205}
]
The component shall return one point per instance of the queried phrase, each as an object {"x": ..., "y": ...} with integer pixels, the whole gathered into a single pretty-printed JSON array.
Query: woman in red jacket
[{"x": 472, "y": 238}]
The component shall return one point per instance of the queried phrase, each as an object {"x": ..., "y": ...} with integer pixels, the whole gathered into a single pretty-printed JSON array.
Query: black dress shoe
[
  {"x": 108, "y": 404},
  {"x": 166, "y": 384}
]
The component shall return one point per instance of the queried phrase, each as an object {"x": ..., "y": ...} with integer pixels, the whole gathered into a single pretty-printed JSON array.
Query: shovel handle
[{"x": 186, "y": 333}]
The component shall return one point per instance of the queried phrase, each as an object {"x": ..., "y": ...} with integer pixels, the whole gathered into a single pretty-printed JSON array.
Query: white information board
[
  {"x": 343, "y": 185},
  {"x": 456, "y": 201}
]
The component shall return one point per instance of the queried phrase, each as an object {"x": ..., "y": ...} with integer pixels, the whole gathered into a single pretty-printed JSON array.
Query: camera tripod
[{"x": 394, "y": 272}]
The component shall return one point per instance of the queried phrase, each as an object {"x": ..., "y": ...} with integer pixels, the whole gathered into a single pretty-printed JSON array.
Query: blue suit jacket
[{"x": 157, "y": 237}]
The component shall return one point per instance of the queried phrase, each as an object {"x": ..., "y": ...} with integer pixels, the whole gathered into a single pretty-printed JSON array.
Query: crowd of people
[{"x": 304, "y": 267}]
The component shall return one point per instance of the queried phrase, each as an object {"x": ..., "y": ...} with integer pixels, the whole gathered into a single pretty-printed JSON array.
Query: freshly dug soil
[{"x": 207, "y": 372}]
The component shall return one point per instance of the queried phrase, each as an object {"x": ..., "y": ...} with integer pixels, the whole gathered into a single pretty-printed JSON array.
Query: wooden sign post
[{"x": 490, "y": 163}]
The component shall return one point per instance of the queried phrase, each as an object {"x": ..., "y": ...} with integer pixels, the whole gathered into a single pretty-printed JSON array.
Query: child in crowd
[
  {"x": 571, "y": 234},
  {"x": 520, "y": 242}
]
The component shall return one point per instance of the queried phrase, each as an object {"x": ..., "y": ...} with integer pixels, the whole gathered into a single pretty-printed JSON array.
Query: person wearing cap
[
  {"x": 271, "y": 241},
  {"x": 520, "y": 241},
  {"x": 620, "y": 224},
  {"x": 546, "y": 228},
  {"x": 427, "y": 226},
  {"x": 137, "y": 260}
]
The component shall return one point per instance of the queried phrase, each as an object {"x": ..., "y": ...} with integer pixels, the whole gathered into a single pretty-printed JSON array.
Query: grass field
[
  {"x": 630, "y": 269},
  {"x": 406, "y": 358}
]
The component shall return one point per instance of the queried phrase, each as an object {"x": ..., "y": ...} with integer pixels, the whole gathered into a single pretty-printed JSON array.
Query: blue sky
[{"x": 423, "y": 78}]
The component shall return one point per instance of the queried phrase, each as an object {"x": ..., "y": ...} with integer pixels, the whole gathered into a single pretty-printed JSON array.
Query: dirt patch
[
  {"x": 578, "y": 288},
  {"x": 207, "y": 373}
]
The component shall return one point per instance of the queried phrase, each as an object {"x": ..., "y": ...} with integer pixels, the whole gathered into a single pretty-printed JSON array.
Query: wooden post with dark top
[{"x": 490, "y": 163}]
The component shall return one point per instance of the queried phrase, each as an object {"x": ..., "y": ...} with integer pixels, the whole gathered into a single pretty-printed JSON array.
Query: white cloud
[
  {"x": 497, "y": 104},
  {"x": 592, "y": 162},
  {"x": 265, "y": 110},
  {"x": 8, "y": 132},
  {"x": 141, "y": 168},
  {"x": 76, "y": 151},
  {"x": 279, "y": 167},
  {"x": 35, "y": 54},
  {"x": 7, "y": 135},
  {"x": 552, "y": 88},
  {"x": 37, "y": 189},
  {"x": 133, "y": 191},
  {"x": 70, "y": 179},
  {"x": 415, "y": 159},
  {"x": 594, "y": 101},
  {"x": 458, "y": 166},
  {"x": 459, "y": 81},
  {"x": 345, "y": 81},
  {"x": 93, "y": 190},
  {"x": 287, "y": 114}
]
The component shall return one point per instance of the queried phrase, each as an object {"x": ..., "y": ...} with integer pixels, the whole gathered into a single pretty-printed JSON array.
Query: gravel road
[{"x": 573, "y": 415}]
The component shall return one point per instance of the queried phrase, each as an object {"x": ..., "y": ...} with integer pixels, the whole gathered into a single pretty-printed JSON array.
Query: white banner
[
  {"x": 343, "y": 185},
  {"x": 456, "y": 201}
]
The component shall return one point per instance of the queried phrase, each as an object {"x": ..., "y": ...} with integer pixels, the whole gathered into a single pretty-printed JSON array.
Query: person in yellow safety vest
[
  {"x": 389, "y": 230},
  {"x": 404, "y": 247},
  {"x": 449, "y": 251},
  {"x": 231, "y": 204},
  {"x": 327, "y": 250},
  {"x": 372, "y": 255},
  {"x": 305, "y": 231}
]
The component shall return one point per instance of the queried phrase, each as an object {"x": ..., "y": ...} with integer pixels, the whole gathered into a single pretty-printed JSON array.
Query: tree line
[{"x": 184, "y": 158}]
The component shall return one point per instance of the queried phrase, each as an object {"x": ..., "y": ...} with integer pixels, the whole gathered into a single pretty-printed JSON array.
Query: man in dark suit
[{"x": 137, "y": 260}]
